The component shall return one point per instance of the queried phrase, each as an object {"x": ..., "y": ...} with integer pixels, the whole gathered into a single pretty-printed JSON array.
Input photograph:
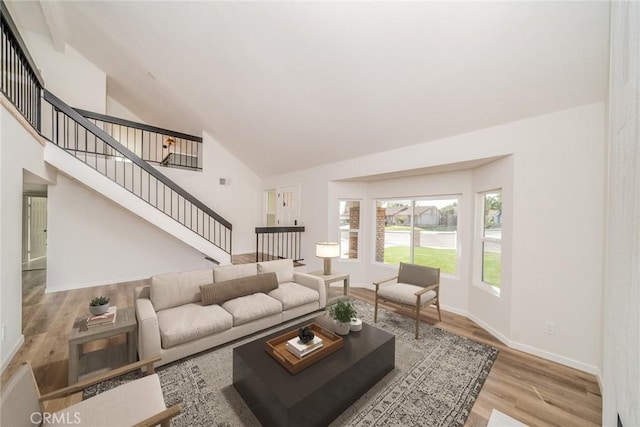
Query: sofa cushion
[
  {"x": 230, "y": 272},
  {"x": 219, "y": 292},
  {"x": 282, "y": 267},
  {"x": 292, "y": 295},
  {"x": 173, "y": 289},
  {"x": 251, "y": 307},
  {"x": 191, "y": 321}
]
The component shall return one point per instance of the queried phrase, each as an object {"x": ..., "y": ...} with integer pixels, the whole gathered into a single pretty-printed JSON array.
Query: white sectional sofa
[{"x": 180, "y": 314}]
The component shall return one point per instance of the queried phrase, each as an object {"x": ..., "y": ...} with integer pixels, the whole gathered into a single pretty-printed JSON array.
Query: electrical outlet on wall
[{"x": 549, "y": 328}]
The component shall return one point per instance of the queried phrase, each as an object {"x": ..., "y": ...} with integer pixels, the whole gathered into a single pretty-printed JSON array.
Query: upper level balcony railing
[
  {"x": 152, "y": 144},
  {"x": 20, "y": 81},
  {"x": 279, "y": 243}
]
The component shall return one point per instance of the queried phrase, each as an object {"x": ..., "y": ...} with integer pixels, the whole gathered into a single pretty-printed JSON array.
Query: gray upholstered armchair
[
  {"x": 416, "y": 286},
  {"x": 137, "y": 403}
]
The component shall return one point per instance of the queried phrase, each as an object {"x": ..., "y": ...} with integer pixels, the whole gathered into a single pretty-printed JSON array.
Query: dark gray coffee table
[{"x": 321, "y": 392}]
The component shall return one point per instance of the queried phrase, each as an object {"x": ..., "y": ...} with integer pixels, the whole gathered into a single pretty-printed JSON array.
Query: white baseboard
[
  {"x": 499, "y": 335},
  {"x": 454, "y": 310},
  {"x": 566, "y": 361},
  {"x": 585, "y": 367},
  {"x": 12, "y": 353},
  {"x": 572, "y": 363}
]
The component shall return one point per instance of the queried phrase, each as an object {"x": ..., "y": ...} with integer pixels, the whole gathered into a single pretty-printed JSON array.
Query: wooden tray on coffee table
[{"x": 277, "y": 348}]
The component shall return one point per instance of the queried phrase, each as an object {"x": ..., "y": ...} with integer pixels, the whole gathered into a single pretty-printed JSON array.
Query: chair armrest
[
  {"x": 161, "y": 418},
  {"x": 312, "y": 282},
  {"x": 427, "y": 289},
  {"x": 149, "y": 343},
  {"x": 379, "y": 282},
  {"x": 102, "y": 377}
]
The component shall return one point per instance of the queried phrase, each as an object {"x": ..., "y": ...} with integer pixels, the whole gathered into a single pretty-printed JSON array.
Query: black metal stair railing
[
  {"x": 23, "y": 86},
  {"x": 19, "y": 80},
  {"x": 152, "y": 144},
  {"x": 66, "y": 128},
  {"x": 279, "y": 243}
]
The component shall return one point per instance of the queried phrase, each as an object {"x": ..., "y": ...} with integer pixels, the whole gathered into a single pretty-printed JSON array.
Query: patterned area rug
[{"x": 435, "y": 383}]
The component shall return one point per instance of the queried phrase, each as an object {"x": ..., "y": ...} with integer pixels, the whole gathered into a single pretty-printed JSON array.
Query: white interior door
[
  {"x": 37, "y": 227},
  {"x": 288, "y": 209}
]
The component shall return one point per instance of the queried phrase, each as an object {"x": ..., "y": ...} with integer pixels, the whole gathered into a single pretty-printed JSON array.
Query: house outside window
[
  {"x": 349, "y": 228},
  {"x": 421, "y": 231},
  {"x": 491, "y": 238}
]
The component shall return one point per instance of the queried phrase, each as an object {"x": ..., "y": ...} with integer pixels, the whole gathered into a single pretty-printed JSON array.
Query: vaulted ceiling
[{"x": 292, "y": 85}]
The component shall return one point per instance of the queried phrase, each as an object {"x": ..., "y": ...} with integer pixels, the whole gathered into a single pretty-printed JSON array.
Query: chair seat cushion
[
  {"x": 404, "y": 293},
  {"x": 251, "y": 307},
  {"x": 190, "y": 322},
  {"x": 125, "y": 405},
  {"x": 293, "y": 295}
]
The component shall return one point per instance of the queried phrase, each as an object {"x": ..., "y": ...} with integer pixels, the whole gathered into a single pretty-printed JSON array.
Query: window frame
[
  {"x": 350, "y": 230},
  {"x": 481, "y": 239},
  {"x": 454, "y": 197}
]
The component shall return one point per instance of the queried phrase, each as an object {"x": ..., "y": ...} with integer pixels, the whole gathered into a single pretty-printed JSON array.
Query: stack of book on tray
[
  {"x": 107, "y": 318},
  {"x": 298, "y": 349}
]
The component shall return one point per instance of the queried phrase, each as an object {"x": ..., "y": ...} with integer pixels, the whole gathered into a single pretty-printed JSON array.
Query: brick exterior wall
[
  {"x": 380, "y": 220},
  {"x": 354, "y": 224}
]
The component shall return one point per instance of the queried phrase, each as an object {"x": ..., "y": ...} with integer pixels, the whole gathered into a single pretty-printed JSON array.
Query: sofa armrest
[
  {"x": 312, "y": 282},
  {"x": 148, "y": 329}
]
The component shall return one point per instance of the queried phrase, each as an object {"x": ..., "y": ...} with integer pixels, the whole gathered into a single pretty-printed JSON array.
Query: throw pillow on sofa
[{"x": 219, "y": 292}]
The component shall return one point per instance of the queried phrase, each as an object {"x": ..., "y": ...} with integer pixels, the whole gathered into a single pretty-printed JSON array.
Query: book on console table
[
  {"x": 103, "y": 319},
  {"x": 298, "y": 349}
]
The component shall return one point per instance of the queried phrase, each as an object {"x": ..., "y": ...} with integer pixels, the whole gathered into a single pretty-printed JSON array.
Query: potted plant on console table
[{"x": 342, "y": 312}]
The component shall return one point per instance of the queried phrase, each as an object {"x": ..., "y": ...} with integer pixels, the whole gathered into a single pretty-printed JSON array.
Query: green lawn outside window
[{"x": 443, "y": 258}]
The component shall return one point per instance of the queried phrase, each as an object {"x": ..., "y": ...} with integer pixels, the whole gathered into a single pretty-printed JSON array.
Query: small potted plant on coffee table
[
  {"x": 99, "y": 305},
  {"x": 342, "y": 312}
]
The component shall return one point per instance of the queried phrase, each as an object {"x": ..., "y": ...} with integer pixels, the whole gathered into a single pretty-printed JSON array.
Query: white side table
[{"x": 335, "y": 294}]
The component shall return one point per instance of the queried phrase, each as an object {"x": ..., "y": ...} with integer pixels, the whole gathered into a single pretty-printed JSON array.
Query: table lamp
[{"x": 327, "y": 250}]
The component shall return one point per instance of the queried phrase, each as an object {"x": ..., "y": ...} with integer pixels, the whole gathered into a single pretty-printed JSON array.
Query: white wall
[
  {"x": 68, "y": 75},
  {"x": 94, "y": 241},
  {"x": 116, "y": 109},
  {"x": 240, "y": 202},
  {"x": 18, "y": 151},
  {"x": 621, "y": 333},
  {"x": 487, "y": 308},
  {"x": 557, "y": 188}
]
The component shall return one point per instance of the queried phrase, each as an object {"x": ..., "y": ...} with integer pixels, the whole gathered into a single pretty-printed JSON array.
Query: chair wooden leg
[
  {"x": 375, "y": 310},
  {"x": 417, "y": 316},
  {"x": 438, "y": 307}
]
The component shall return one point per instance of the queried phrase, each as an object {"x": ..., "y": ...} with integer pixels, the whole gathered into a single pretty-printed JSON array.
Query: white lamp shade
[{"x": 327, "y": 250}]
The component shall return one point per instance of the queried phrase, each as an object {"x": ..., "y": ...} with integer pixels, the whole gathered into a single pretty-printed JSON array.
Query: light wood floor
[{"x": 535, "y": 391}]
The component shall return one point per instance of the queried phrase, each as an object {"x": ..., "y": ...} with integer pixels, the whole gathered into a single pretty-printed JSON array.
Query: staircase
[{"x": 84, "y": 151}]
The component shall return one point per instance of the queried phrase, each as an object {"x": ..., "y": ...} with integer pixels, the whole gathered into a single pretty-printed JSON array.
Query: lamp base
[{"x": 327, "y": 266}]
